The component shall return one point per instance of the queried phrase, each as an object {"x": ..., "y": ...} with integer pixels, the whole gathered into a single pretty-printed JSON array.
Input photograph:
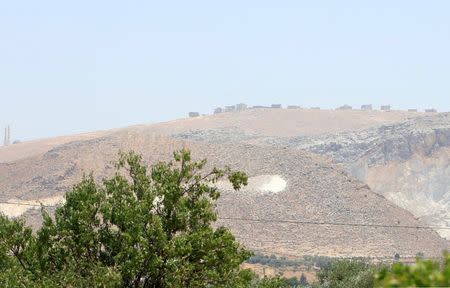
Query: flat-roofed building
[
  {"x": 278, "y": 106},
  {"x": 231, "y": 108},
  {"x": 194, "y": 114},
  {"x": 345, "y": 107},
  {"x": 385, "y": 108},
  {"x": 218, "y": 110},
  {"x": 241, "y": 107},
  {"x": 432, "y": 110},
  {"x": 366, "y": 107}
]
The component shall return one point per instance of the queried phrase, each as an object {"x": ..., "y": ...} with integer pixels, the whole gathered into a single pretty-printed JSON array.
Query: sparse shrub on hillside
[{"x": 138, "y": 229}]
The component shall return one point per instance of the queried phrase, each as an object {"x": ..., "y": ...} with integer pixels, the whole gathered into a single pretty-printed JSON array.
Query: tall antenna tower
[{"x": 7, "y": 140}]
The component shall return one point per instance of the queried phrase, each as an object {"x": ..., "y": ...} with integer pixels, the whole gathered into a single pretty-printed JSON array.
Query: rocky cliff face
[
  {"x": 408, "y": 162},
  {"x": 383, "y": 144}
]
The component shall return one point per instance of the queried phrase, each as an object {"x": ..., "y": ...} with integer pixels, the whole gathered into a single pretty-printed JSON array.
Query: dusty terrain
[
  {"x": 36, "y": 147},
  {"x": 295, "y": 203}
]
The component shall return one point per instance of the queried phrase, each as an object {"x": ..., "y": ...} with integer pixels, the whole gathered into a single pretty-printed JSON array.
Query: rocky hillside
[
  {"x": 297, "y": 203},
  {"x": 406, "y": 161}
]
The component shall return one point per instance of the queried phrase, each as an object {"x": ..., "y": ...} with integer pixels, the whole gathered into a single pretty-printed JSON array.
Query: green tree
[
  {"x": 138, "y": 228},
  {"x": 347, "y": 273},
  {"x": 276, "y": 282},
  {"x": 425, "y": 273}
]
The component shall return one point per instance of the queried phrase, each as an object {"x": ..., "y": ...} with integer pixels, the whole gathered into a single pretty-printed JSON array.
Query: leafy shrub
[
  {"x": 425, "y": 273},
  {"x": 347, "y": 273}
]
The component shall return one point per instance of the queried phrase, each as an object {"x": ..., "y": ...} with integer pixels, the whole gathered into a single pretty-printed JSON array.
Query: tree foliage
[
  {"x": 138, "y": 228},
  {"x": 425, "y": 273},
  {"x": 347, "y": 273}
]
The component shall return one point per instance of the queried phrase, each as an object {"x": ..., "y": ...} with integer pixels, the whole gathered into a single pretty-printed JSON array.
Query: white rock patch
[
  {"x": 270, "y": 183},
  {"x": 16, "y": 207},
  {"x": 261, "y": 184}
]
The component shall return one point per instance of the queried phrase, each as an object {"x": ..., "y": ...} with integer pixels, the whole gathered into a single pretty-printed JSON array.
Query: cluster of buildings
[
  {"x": 231, "y": 108},
  {"x": 385, "y": 108},
  {"x": 243, "y": 106}
]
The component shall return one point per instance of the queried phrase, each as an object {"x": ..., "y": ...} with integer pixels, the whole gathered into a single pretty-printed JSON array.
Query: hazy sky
[{"x": 73, "y": 66}]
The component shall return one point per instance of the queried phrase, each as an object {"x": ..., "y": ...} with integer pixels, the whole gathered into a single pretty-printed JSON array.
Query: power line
[
  {"x": 283, "y": 221},
  {"x": 28, "y": 204}
]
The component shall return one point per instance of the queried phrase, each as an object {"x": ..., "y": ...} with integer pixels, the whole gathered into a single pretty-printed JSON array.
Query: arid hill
[
  {"x": 402, "y": 156},
  {"x": 297, "y": 203},
  {"x": 260, "y": 122},
  {"x": 287, "y": 122},
  {"x": 407, "y": 162}
]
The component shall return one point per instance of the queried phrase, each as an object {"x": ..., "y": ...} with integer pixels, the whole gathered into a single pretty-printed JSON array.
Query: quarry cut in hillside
[
  {"x": 297, "y": 203},
  {"x": 406, "y": 159},
  {"x": 407, "y": 162}
]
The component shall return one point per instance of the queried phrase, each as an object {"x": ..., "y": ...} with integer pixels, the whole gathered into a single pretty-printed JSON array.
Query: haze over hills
[{"x": 289, "y": 181}]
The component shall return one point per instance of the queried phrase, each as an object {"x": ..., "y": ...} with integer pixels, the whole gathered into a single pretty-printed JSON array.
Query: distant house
[
  {"x": 345, "y": 107},
  {"x": 293, "y": 107},
  {"x": 431, "y": 110},
  {"x": 278, "y": 106},
  {"x": 385, "y": 108},
  {"x": 230, "y": 108},
  {"x": 366, "y": 107},
  {"x": 194, "y": 114},
  {"x": 218, "y": 110},
  {"x": 241, "y": 107},
  {"x": 259, "y": 107},
  {"x": 412, "y": 110},
  {"x": 315, "y": 108}
]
